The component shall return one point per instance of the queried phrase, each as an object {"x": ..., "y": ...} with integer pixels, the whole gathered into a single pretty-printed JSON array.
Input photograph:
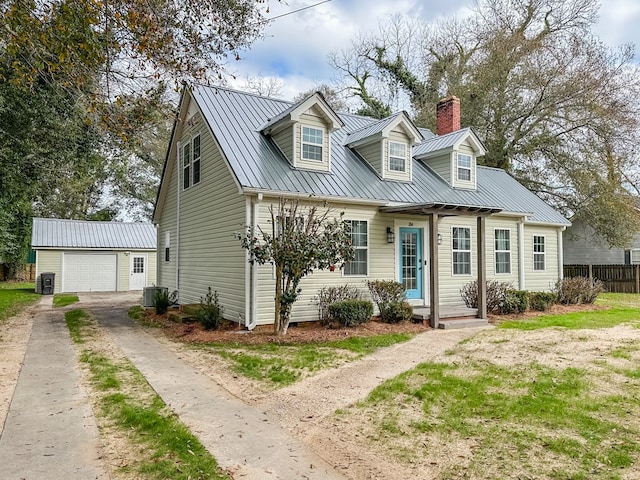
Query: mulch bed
[{"x": 313, "y": 332}]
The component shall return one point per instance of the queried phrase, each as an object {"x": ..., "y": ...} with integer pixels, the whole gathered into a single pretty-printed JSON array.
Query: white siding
[
  {"x": 541, "y": 280},
  {"x": 471, "y": 184},
  {"x": 400, "y": 137},
  {"x": 210, "y": 213},
  {"x": 441, "y": 165},
  {"x": 312, "y": 119},
  {"x": 284, "y": 140},
  {"x": 49, "y": 261},
  {"x": 372, "y": 153}
]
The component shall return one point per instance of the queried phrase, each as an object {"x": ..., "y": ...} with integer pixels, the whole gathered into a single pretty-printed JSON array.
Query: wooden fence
[{"x": 616, "y": 278}]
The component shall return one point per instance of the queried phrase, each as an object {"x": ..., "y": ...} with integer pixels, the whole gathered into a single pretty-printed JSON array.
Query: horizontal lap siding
[
  {"x": 284, "y": 140},
  {"x": 50, "y": 261},
  {"x": 381, "y": 265},
  {"x": 211, "y": 212},
  {"x": 124, "y": 271},
  {"x": 166, "y": 271},
  {"x": 372, "y": 153},
  {"x": 400, "y": 137},
  {"x": 541, "y": 280},
  {"x": 312, "y": 120},
  {"x": 441, "y": 165}
]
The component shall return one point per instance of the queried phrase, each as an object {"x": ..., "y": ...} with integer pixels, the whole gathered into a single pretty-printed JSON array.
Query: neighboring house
[
  {"x": 422, "y": 211},
  {"x": 582, "y": 246},
  {"x": 94, "y": 256}
]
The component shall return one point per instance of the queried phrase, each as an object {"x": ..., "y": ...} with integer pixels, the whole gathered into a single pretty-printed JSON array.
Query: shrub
[
  {"x": 541, "y": 301},
  {"x": 496, "y": 292},
  {"x": 351, "y": 313},
  {"x": 384, "y": 292},
  {"x": 575, "y": 290},
  {"x": 395, "y": 312},
  {"x": 161, "y": 300},
  {"x": 210, "y": 312},
  {"x": 330, "y": 295},
  {"x": 515, "y": 301}
]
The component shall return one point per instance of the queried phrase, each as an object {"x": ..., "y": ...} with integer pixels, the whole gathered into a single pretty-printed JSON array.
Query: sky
[{"x": 295, "y": 47}]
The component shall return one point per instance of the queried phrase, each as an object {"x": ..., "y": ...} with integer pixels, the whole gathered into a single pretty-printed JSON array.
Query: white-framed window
[
  {"x": 634, "y": 256},
  {"x": 360, "y": 241},
  {"x": 167, "y": 246},
  {"x": 464, "y": 167},
  {"x": 312, "y": 141},
  {"x": 195, "y": 160},
  {"x": 397, "y": 157},
  {"x": 502, "y": 237},
  {"x": 191, "y": 160},
  {"x": 186, "y": 165},
  {"x": 539, "y": 253},
  {"x": 461, "y": 250}
]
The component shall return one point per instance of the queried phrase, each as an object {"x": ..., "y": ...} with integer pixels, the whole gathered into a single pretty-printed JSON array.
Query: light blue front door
[{"x": 411, "y": 261}]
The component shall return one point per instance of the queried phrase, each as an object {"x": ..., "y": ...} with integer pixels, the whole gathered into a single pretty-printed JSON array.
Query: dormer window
[
  {"x": 464, "y": 167},
  {"x": 397, "y": 157},
  {"x": 312, "y": 139}
]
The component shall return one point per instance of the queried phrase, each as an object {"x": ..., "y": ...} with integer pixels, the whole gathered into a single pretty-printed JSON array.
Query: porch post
[
  {"x": 482, "y": 269},
  {"x": 434, "y": 289}
]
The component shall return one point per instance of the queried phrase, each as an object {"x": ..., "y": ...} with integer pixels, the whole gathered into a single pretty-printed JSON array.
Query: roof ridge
[
  {"x": 242, "y": 92},
  {"x": 101, "y": 222}
]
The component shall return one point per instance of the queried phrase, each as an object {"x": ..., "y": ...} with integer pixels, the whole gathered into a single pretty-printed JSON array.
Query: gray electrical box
[
  {"x": 48, "y": 282},
  {"x": 148, "y": 293}
]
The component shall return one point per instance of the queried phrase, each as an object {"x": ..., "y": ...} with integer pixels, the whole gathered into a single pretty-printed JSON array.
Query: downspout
[
  {"x": 521, "y": 276},
  {"x": 178, "y": 220},
  {"x": 560, "y": 254},
  {"x": 254, "y": 269},
  {"x": 247, "y": 266}
]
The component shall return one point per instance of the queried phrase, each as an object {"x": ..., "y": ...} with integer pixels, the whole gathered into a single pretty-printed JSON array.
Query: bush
[
  {"x": 576, "y": 290},
  {"x": 210, "y": 312},
  {"x": 161, "y": 300},
  {"x": 515, "y": 301},
  {"x": 351, "y": 313},
  {"x": 395, "y": 312},
  {"x": 541, "y": 301},
  {"x": 330, "y": 295},
  {"x": 384, "y": 292},
  {"x": 496, "y": 292}
]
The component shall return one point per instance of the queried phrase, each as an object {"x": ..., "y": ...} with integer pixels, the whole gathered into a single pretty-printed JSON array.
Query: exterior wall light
[
  {"x": 391, "y": 237},
  {"x": 439, "y": 239}
]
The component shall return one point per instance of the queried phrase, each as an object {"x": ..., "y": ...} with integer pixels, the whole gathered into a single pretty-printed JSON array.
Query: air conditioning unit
[{"x": 148, "y": 293}]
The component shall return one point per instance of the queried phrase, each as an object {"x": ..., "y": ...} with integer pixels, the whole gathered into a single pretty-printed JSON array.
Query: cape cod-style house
[{"x": 422, "y": 211}]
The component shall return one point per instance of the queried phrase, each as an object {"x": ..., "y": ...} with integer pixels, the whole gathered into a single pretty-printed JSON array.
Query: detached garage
[{"x": 94, "y": 256}]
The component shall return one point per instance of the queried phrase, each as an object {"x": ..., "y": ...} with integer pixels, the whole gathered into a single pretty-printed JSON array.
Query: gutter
[
  {"x": 247, "y": 267},
  {"x": 306, "y": 196},
  {"x": 521, "y": 278},
  {"x": 178, "y": 219}
]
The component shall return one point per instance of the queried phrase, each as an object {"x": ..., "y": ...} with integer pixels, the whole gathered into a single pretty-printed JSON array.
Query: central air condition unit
[{"x": 148, "y": 293}]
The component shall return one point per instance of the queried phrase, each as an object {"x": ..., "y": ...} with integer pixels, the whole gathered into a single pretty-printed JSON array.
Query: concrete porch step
[{"x": 462, "y": 323}]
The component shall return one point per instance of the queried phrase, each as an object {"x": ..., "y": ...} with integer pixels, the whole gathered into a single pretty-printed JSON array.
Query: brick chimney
[{"x": 448, "y": 115}]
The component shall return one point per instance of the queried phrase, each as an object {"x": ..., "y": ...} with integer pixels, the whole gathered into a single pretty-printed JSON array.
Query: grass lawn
[
  {"x": 64, "y": 299},
  {"x": 278, "y": 365},
  {"x": 15, "y": 297}
]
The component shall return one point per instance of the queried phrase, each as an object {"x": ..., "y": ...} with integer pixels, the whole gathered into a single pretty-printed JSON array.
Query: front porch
[{"x": 451, "y": 316}]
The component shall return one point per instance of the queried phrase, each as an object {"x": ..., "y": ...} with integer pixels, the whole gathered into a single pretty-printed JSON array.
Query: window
[
  {"x": 461, "y": 250},
  {"x": 503, "y": 250},
  {"x": 167, "y": 245},
  {"x": 186, "y": 165},
  {"x": 191, "y": 162},
  {"x": 538, "y": 253},
  {"x": 312, "y": 144},
  {"x": 195, "y": 162},
  {"x": 360, "y": 242},
  {"x": 138, "y": 264},
  {"x": 397, "y": 157},
  {"x": 464, "y": 167}
]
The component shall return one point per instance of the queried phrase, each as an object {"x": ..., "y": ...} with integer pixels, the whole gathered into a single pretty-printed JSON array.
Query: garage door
[{"x": 84, "y": 272}]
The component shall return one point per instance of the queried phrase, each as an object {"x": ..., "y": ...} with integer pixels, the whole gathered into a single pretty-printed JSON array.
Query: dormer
[
  {"x": 302, "y": 132},
  {"x": 453, "y": 153},
  {"x": 386, "y": 145}
]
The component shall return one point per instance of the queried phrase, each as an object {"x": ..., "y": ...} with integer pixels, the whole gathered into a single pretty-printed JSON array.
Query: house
[
  {"x": 94, "y": 256},
  {"x": 583, "y": 246},
  {"x": 422, "y": 211}
]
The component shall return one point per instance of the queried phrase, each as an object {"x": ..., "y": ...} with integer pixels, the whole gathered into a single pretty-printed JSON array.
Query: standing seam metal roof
[
  {"x": 56, "y": 233},
  {"x": 236, "y": 117}
]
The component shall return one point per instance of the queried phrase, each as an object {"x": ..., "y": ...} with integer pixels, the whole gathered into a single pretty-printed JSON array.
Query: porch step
[{"x": 462, "y": 323}]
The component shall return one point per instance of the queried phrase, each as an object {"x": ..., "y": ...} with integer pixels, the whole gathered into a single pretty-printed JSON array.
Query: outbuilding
[{"x": 94, "y": 256}]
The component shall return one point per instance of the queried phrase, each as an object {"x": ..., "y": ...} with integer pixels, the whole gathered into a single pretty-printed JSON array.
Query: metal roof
[
  {"x": 373, "y": 128},
  {"x": 440, "y": 143},
  {"x": 235, "y": 118},
  {"x": 56, "y": 233}
]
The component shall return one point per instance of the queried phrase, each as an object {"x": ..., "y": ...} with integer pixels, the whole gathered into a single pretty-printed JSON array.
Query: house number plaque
[{"x": 411, "y": 224}]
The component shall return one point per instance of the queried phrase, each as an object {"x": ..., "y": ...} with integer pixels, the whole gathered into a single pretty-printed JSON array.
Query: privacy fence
[{"x": 616, "y": 278}]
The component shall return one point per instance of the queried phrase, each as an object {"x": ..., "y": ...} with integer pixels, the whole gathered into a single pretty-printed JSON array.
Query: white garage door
[{"x": 89, "y": 272}]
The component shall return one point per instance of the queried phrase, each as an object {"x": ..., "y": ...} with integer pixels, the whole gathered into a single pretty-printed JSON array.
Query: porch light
[
  {"x": 391, "y": 237},
  {"x": 439, "y": 239}
]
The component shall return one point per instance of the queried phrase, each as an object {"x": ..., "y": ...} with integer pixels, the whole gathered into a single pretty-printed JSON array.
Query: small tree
[{"x": 301, "y": 240}]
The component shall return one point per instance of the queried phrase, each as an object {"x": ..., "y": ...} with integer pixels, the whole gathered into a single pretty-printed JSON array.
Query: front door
[
  {"x": 411, "y": 261},
  {"x": 138, "y": 278}
]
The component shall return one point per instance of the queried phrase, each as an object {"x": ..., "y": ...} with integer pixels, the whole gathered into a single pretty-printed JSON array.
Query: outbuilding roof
[
  {"x": 237, "y": 118},
  {"x": 57, "y": 233}
]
